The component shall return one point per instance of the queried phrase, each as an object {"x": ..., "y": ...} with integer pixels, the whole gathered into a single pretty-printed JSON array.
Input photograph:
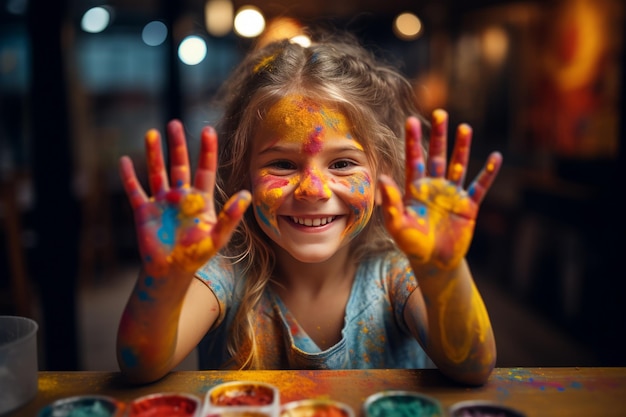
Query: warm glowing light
[
  {"x": 154, "y": 33},
  {"x": 495, "y": 43},
  {"x": 301, "y": 40},
  {"x": 249, "y": 22},
  {"x": 192, "y": 50},
  {"x": 218, "y": 17},
  {"x": 407, "y": 26},
  {"x": 95, "y": 20},
  {"x": 278, "y": 29}
]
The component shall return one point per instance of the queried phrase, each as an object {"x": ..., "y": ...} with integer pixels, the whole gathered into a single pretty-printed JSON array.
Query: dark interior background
[{"x": 542, "y": 81}]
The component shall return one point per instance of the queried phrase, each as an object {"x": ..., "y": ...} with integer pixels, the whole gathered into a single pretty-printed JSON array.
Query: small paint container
[
  {"x": 474, "y": 408},
  {"x": 316, "y": 408},
  {"x": 84, "y": 405},
  {"x": 399, "y": 403},
  {"x": 167, "y": 404},
  {"x": 242, "y": 399}
]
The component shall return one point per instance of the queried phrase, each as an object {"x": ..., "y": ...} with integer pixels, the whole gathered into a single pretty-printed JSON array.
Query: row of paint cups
[{"x": 258, "y": 399}]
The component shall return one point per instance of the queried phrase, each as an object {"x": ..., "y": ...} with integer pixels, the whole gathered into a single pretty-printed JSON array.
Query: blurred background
[{"x": 541, "y": 81}]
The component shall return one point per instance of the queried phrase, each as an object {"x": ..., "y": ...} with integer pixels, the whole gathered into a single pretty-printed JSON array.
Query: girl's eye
[
  {"x": 343, "y": 164},
  {"x": 282, "y": 165}
]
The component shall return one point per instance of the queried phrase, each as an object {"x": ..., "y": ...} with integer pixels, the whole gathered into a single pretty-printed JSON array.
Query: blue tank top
[{"x": 374, "y": 335}]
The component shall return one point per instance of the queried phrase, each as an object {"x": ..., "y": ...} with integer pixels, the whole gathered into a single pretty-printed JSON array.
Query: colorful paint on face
[
  {"x": 307, "y": 123},
  {"x": 308, "y": 139},
  {"x": 361, "y": 192}
]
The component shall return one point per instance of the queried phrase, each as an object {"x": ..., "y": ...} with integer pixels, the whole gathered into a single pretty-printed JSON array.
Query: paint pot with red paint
[
  {"x": 399, "y": 403},
  {"x": 84, "y": 406},
  {"x": 168, "y": 404},
  {"x": 316, "y": 408},
  {"x": 482, "y": 409},
  {"x": 242, "y": 399}
]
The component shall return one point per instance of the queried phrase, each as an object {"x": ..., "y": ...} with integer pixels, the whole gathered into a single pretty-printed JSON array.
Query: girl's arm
[
  {"x": 448, "y": 317},
  {"x": 433, "y": 224},
  {"x": 178, "y": 231}
]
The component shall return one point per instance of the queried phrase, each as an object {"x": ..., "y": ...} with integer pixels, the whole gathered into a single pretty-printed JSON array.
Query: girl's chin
[{"x": 310, "y": 256}]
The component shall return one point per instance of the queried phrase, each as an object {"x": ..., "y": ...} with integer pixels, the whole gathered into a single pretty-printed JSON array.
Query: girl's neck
[{"x": 315, "y": 278}]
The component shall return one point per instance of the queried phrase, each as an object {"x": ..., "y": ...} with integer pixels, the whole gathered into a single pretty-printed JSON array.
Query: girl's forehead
[{"x": 300, "y": 115}]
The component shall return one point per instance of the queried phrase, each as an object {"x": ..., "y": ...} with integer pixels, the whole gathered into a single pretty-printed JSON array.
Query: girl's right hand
[{"x": 177, "y": 227}]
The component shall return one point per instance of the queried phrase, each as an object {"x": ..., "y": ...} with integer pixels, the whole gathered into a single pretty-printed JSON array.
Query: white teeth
[{"x": 313, "y": 222}]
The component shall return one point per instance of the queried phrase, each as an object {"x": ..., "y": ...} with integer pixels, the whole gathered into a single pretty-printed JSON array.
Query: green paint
[{"x": 403, "y": 405}]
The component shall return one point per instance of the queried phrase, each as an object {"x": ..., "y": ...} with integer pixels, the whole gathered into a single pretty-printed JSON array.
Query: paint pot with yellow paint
[
  {"x": 242, "y": 399},
  {"x": 316, "y": 408},
  {"x": 400, "y": 403}
]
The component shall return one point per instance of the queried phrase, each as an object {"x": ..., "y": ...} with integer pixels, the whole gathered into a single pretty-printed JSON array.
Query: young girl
[{"x": 331, "y": 266}]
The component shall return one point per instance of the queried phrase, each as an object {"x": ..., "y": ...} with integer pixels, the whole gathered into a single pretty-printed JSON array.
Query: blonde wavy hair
[{"x": 375, "y": 98}]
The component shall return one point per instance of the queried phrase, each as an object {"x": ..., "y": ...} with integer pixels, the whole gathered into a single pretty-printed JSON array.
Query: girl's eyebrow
[
  {"x": 279, "y": 149},
  {"x": 297, "y": 149}
]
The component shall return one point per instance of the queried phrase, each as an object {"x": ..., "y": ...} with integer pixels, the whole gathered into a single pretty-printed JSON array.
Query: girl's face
[{"x": 312, "y": 183}]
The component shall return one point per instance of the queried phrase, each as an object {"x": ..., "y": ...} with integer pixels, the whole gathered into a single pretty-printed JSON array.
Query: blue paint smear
[
  {"x": 144, "y": 296},
  {"x": 129, "y": 358},
  {"x": 169, "y": 221}
]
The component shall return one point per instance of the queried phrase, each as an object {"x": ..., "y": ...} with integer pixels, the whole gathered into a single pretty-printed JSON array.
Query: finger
[
  {"x": 134, "y": 191},
  {"x": 460, "y": 155},
  {"x": 157, "y": 177},
  {"x": 392, "y": 205},
  {"x": 205, "y": 175},
  {"x": 230, "y": 216},
  {"x": 415, "y": 168},
  {"x": 438, "y": 144},
  {"x": 485, "y": 178},
  {"x": 179, "y": 157}
]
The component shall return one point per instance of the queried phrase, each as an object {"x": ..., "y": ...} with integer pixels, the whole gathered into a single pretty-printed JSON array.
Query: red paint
[
  {"x": 164, "y": 406},
  {"x": 247, "y": 395}
]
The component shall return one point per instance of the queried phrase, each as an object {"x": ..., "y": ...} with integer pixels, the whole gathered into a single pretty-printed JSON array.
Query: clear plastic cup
[{"x": 18, "y": 362}]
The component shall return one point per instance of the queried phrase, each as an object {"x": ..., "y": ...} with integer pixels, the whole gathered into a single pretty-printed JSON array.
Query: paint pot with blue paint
[
  {"x": 400, "y": 403},
  {"x": 167, "y": 404},
  {"x": 475, "y": 408},
  {"x": 316, "y": 408},
  {"x": 84, "y": 406},
  {"x": 242, "y": 399}
]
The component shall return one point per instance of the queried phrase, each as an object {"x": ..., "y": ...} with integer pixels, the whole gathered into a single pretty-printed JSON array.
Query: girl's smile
[{"x": 311, "y": 179}]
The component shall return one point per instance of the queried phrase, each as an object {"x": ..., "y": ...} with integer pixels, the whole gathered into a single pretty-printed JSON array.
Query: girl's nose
[{"x": 313, "y": 186}]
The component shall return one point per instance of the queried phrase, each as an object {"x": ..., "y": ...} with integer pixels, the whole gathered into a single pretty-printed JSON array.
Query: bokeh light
[
  {"x": 407, "y": 26},
  {"x": 192, "y": 50},
  {"x": 154, "y": 33},
  {"x": 249, "y": 22},
  {"x": 95, "y": 20}
]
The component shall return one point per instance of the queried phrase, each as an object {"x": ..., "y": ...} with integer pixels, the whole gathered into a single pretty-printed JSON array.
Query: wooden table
[{"x": 534, "y": 391}]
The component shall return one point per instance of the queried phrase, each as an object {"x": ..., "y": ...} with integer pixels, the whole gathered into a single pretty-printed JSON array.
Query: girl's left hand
[{"x": 434, "y": 222}]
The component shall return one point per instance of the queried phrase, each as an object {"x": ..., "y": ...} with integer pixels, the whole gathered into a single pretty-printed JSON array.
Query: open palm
[
  {"x": 177, "y": 227},
  {"x": 433, "y": 220}
]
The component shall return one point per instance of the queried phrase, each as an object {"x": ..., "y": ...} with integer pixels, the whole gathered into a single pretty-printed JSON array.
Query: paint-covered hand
[
  {"x": 433, "y": 223},
  {"x": 177, "y": 227}
]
